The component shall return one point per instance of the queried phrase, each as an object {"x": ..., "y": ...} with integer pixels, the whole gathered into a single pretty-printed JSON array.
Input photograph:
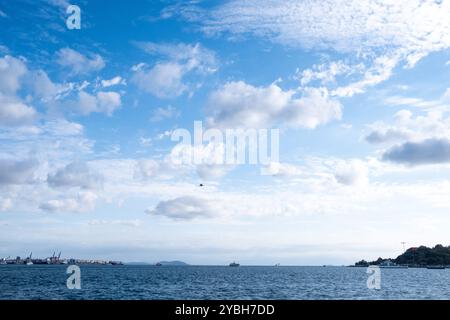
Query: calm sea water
[{"x": 149, "y": 282}]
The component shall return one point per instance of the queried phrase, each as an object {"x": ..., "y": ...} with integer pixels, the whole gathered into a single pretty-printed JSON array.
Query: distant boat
[
  {"x": 158, "y": 264},
  {"x": 435, "y": 267},
  {"x": 234, "y": 264},
  {"x": 277, "y": 265},
  {"x": 29, "y": 263},
  {"x": 388, "y": 264}
]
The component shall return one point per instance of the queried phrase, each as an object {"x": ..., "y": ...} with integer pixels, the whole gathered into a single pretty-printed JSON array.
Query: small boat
[
  {"x": 234, "y": 264},
  {"x": 29, "y": 263},
  {"x": 158, "y": 264},
  {"x": 436, "y": 267}
]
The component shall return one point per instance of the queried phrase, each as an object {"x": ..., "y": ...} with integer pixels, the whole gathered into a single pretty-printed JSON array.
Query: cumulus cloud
[
  {"x": 163, "y": 80},
  {"x": 11, "y": 72},
  {"x": 17, "y": 171},
  {"x": 353, "y": 172},
  {"x": 387, "y": 135},
  {"x": 75, "y": 175},
  {"x": 238, "y": 104},
  {"x": 183, "y": 208},
  {"x": 166, "y": 79},
  {"x": 103, "y": 102},
  {"x": 43, "y": 86},
  {"x": 407, "y": 127},
  {"x": 14, "y": 112},
  {"x": 83, "y": 202},
  {"x": 429, "y": 151},
  {"x": 78, "y": 63}
]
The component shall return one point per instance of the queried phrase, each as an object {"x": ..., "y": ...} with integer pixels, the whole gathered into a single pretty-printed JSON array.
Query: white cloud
[
  {"x": 155, "y": 169},
  {"x": 145, "y": 142},
  {"x": 78, "y": 63},
  {"x": 179, "y": 163},
  {"x": 160, "y": 114},
  {"x": 83, "y": 202},
  {"x": 63, "y": 4},
  {"x": 75, "y": 175},
  {"x": 113, "y": 82},
  {"x": 429, "y": 151},
  {"x": 108, "y": 101},
  {"x": 441, "y": 104},
  {"x": 208, "y": 160},
  {"x": 406, "y": 127},
  {"x": 353, "y": 172},
  {"x": 238, "y": 104},
  {"x": 166, "y": 79},
  {"x": 388, "y": 135},
  {"x": 415, "y": 27},
  {"x": 17, "y": 171},
  {"x": 63, "y": 128},
  {"x": 14, "y": 112},
  {"x": 413, "y": 140},
  {"x": 278, "y": 169},
  {"x": 103, "y": 102},
  {"x": 12, "y": 71},
  {"x": 183, "y": 208},
  {"x": 326, "y": 73},
  {"x": 381, "y": 69},
  {"x": 322, "y": 171},
  {"x": 43, "y": 87},
  {"x": 381, "y": 35},
  {"x": 163, "y": 80},
  {"x": 192, "y": 56}
]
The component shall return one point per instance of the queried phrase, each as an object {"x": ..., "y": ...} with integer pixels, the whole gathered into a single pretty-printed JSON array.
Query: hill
[{"x": 418, "y": 256}]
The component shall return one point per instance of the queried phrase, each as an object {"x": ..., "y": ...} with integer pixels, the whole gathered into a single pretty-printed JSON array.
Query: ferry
[{"x": 234, "y": 264}]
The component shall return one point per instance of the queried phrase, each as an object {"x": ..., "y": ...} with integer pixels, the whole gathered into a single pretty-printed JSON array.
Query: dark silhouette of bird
[{"x": 201, "y": 185}]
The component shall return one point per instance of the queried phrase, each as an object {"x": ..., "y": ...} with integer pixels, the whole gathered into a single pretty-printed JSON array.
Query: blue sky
[{"x": 358, "y": 91}]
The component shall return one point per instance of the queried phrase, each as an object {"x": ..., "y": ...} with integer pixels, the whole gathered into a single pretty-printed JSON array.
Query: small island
[
  {"x": 172, "y": 263},
  {"x": 416, "y": 257}
]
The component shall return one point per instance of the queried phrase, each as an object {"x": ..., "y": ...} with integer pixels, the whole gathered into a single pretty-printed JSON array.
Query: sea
[{"x": 219, "y": 282}]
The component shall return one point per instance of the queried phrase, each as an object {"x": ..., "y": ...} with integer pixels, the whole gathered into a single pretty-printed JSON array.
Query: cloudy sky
[{"x": 359, "y": 91}]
